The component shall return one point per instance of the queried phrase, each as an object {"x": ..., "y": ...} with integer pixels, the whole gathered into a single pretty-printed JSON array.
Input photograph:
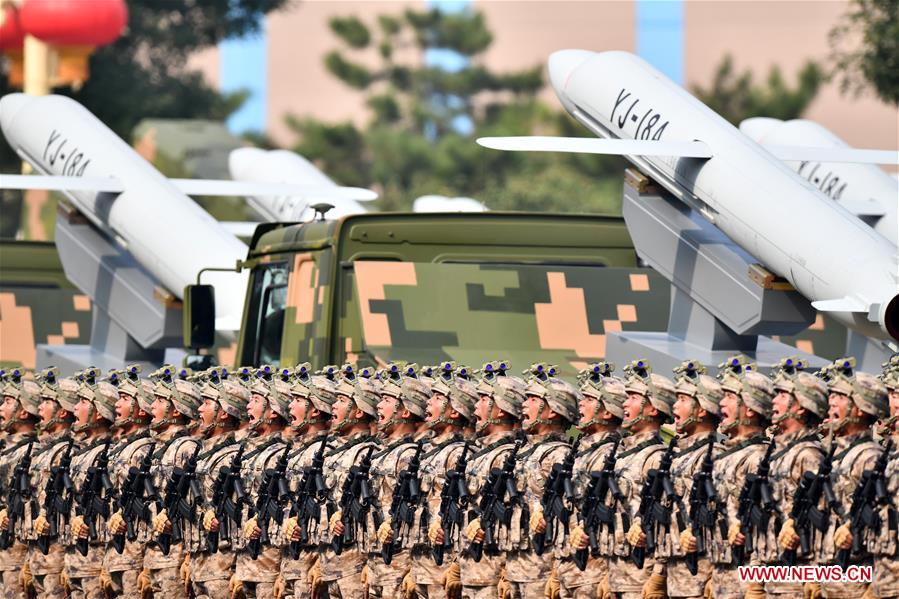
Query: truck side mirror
[{"x": 199, "y": 316}]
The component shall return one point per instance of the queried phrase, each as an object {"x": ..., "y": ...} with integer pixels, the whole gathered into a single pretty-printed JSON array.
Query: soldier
[
  {"x": 94, "y": 415},
  {"x": 498, "y": 413},
  {"x": 20, "y": 416},
  {"x": 885, "y": 547},
  {"x": 800, "y": 405},
  {"x": 269, "y": 413},
  {"x": 856, "y": 401},
  {"x": 223, "y": 414},
  {"x": 601, "y": 412},
  {"x": 174, "y": 410},
  {"x": 650, "y": 397},
  {"x": 353, "y": 415},
  {"x": 133, "y": 441},
  {"x": 696, "y": 416},
  {"x": 401, "y": 415},
  {"x": 57, "y": 415},
  {"x": 311, "y": 410},
  {"x": 450, "y": 411},
  {"x": 745, "y": 414}
]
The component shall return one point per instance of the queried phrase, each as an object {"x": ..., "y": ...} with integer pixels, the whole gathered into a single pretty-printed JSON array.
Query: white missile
[
  {"x": 166, "y": 231},
  {"x": 438, "y": 203},
  {"x": 863, "y": 189},
  {"x": 254, "y": 165},
  {"x": 841, "y": 265}
]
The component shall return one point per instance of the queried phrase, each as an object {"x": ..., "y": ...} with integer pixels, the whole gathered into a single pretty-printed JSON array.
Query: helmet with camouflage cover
[
  {"x": 365, "y": 396},
  {"x": 704, "y": 391},
  {"x": 323, "y": 394},
  {"x": 234, "y": 398},
  {"x": 102, "y": 396},
  {"x": 890, "y": 379},
  {"x": 656, "y": 390},
  {"x": 806, "y": 389},
  {"x": 28, "y": 396},
  {"x": 609, "y": 391},
  {"x": 67, "y": 394},
  {"x": 754, "y": 390},
  {"x": 459, "y": 393},
  {"x": 561, "y": 397},
  {"x": 186, "y": 399},
  {"x": 506, "y": 393},
  {"x": 279, "y": 398},
  {"x": 867, "y": 392}
]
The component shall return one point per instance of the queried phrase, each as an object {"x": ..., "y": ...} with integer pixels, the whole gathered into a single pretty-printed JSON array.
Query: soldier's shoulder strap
[
  {"x": 549, "y": 444},
  {"x": 162, "y": 449},
  {"x": 440, "y": 446},
  {"x": 13, "y": 448},
  {"x": 304, "y": 446},
  {"x": 349, "y": 445},
  {"x": 215, "y": 449},
  {"x": 122, "y": 445},
  {"x": 742, "y": 445},
  {"x": 810, "y": 438},
  {"x": 653, "y": 440},
  {"x": 696, "y": 445},
  {"x": 249, "y": 456},
  {"x": 597, "y": 444},
  {"x": 491, "y": 446},
  {"x": 863, "y": 438},
  {"x": 89, "y": 447},
  {"x": 408, "y": 440}
]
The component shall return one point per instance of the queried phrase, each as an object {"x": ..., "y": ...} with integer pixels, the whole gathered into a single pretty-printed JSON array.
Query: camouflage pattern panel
[
  {"x": 469, "y": 312},
  {"x": 37, "y": 303}
]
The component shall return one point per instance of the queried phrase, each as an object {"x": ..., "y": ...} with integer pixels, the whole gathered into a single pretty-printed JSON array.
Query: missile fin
[
  {"x": 843, "y": 304},
  {"x": 54, "y": 183},
  {"x": 213, "y": 187},
  {"x": 863, "y": 207},
  {"x": 817, "y": 154},
  {"x": 592, "y": 145}
]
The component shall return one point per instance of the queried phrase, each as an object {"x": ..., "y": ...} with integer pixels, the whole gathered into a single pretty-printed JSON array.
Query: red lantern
[
  {"x": 75, "y": 22},
  {"x": 12, "y": 34}
]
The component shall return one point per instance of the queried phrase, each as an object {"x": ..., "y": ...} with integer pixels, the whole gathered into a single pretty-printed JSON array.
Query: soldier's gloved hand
[
  {"x": 210, "y": 522},
  {"x": 161, "y": 523},
  {"x": 537, "y": 522},
  {"x": 656, "y": 587},
  {"x": 251, "y": 530},
  {"x": 552, "y": 589},
  {"x": 79, "y": 528},
  {"x": 235, "y": 586},
  {"x": 578, "y": 538},
  {"x": 385, "y": 532},
  {"x": 336, "y": 524},
  {"x": 116, "y": 523},
  {"x": 473, "y": 531},
  {"x": 842, "y": 537},
  {"x": 4, "y": 519},
  {"x": 315, "y": 578},
  {"x": 503, "y": 588},
  {"x": 408, "y": 587},
  {"x": 291, "y": 529},
  {"x": 734, "y": 536},
  {"x": 687, "y": 541},
  {"x": 452, "y": 580},
  {"x": 278, "y": 588},
  {"x": 602, "y": 589},
  {"x": 788, "y": 539},
  {"x": 42, "y": 525},
  {"x": 105, "y": 581},
  {"x": 754, "y": 590},
  {"x": 184, "y": 573},
  {"x": 436, "y": 534},
  {"x": 811, "y": 590},
  {"x": 635, "y": 535}
]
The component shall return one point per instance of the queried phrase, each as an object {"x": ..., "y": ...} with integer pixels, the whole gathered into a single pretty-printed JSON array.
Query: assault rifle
[
  {"x": 593, "y": 513},
  {"x": 270, "y": 501},
  {"x": 454, "y": 498},
  {"x": 311, "y": 494},
  {"x": 869, "y": 495},
  {"x": 558, "y": 499},
  {"x": 227, "y": 485},
  {"x": 805, "y": 512},
  {"x": 134, "y": 500},
  {"x": 653, "y": 511},
  {"x": 706, "y": 508},
  {"x": 181, "y": 484},
  {"x": 356, "y": 500},
  {"x": 57, "y": 498},
  {"x": 18, "y": 495},
  {"x": 493, "y": 508},
  {"x": 755, "y": 506},
  {"x": 94, "y": 497},
  {"x": 406, "y": 496}
]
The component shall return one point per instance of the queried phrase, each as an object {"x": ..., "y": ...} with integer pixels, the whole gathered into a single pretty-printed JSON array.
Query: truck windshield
[{"x": 265, "y": 324}]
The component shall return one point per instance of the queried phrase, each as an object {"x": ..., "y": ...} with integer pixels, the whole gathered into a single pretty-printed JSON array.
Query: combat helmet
[
  {"x": 323, "y": 394},
  {"x": 561, "y": 397},
  {"x": 459, "y": 393},
  {"x": 610, "y": 393},
  {"x": 656, "y": 390},
  {"x": 506, "y": 393},
  {"x": 279, "y": 397},
  {"x": 805, "y": 389},
  {"x": 866, "y": 391},
  {"x": 102, "y": 396},
  {"x": 186, "y": 399},
  {"x": 27, "y": 394},
  {"x": 234, "y": 398},
  {"x": 213, "y": 393},
  {"x": 753, "y": 390},
  {"x": 365, "y": 393},
  {"x": 705, "y": 391}
]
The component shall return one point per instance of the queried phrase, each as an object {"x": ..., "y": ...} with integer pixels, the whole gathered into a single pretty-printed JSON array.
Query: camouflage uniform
[
  {"x": 210, "y": 573},
  {"x": 173, "y": 449},
  {"x": 885, "y": 546},
  {"x": 123, "y": 568},
  {"x": 45, "y": 569},
  {"x": 295, "y": 572},
  {"x": 479, "y": 579},
  {"x": 12, "y": 559},
  {"x": 83, "y": 571},
  {"x": 574, "y": 583},
  {"x": 343, "y": 573},
  {"x": 258, "y": 576}
]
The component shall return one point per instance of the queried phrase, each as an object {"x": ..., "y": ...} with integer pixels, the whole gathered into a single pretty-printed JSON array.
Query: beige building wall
[{"x": 757, "y": 34}]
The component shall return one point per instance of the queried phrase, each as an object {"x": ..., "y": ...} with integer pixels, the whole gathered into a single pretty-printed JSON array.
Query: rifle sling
[
  {"x": 862, "y": 438},
  {"x": 437, "y": 448},
  {"x": 349, "y": 444},
  {"x": 22, "y": 443},
  {"x": 654, "y": 440},
  {"x": 490, "y": 447},
  {"x": 552, "y": 438},
  {"x": 781, "y": 453},
  {"x": 742, "y": 445},
  {"x": 697, "y": 445}
]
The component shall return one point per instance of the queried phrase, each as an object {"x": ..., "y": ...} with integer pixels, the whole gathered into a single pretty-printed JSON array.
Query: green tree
[
  {"x": 424, "y": 119},
  {"x": 737, "y": 97},
  {"x": 874, "y": 64}
]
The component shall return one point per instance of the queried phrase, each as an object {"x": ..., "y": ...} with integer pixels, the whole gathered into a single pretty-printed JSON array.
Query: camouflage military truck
[{"x": 376, "y": 288}]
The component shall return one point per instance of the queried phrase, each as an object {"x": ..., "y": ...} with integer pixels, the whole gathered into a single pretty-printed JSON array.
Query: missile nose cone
[
  {"x": 10, "y": 104},
  {"x": 562, "y": 63},
  {"x": 759, "y": 127}
]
